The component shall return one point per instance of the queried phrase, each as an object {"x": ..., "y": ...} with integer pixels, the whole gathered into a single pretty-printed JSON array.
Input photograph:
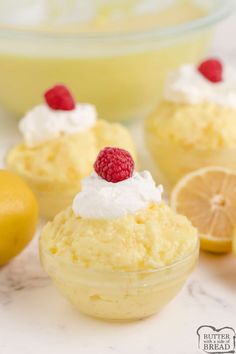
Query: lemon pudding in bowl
[
  {"x": 195, "y": 124},
  {"x": 61, "y": 142},
  {"x": 119, "y": 252},
  {"x": 112, "y": 53}
]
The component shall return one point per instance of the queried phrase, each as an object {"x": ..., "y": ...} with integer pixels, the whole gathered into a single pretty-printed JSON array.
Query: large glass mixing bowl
[{"x": 114, "y": 54}]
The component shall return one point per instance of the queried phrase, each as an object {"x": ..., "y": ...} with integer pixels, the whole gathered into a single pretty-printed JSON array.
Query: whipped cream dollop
[
  {"x": 100, "y": 199},
  {"x": 188, "y": 85},
  {"x": 42, "y": 123}
]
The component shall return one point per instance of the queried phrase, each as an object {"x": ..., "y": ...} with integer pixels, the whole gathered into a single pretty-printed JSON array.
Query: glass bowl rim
[
  {"x": 224, "y": 8},
  {"x": 124, "y": 273}
]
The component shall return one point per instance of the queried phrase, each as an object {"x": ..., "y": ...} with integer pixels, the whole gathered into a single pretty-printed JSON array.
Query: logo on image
[{"x": 216, "y": 341}]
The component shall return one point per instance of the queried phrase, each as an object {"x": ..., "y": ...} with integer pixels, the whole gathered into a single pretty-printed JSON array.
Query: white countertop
[{"x": 35, "y": 318}]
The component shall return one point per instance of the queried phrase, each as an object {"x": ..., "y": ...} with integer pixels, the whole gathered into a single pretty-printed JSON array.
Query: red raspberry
[
  {"x": 211, "y": 69},
  {"x": 59, "y": 97},
  {"x": 114, "y": 164}
]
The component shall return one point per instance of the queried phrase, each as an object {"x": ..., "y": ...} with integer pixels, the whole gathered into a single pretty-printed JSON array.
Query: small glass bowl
[
  {"x": 52, "y": 196},
  {"x": 173, "y": 162},
  {"x": 118, "y": 295}
]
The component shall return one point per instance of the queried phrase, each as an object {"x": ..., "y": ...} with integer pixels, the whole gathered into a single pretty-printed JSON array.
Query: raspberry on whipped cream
[
  {"x": 103, "y": 199},
  {"x": 211, "y": 69},
  {"x": 59, "y": 97},
  {"x": 114, "y": 164},
  {"x": 188, "y": 85},
  {"x": 43, "y": 123}
]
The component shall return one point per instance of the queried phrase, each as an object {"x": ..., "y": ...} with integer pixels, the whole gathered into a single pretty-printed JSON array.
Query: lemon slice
[{"x": 208, "y": 198}]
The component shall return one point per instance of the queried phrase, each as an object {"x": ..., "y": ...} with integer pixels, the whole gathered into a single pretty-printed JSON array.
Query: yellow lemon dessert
[
  {"x": 208, "y": 198},
  {"x": 195, "y": 125},
  {"x": 119, "y": 252},
  {"x": 111, "y": 53},
  {"x": 61, "y": 142},
  {"x": 18, "y": 215}
]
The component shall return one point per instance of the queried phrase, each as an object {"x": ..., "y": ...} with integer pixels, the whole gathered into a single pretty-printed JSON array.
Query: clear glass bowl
[
  {"x": 52, "y": 196},
  {"x": 117, "y": 295},
  {"x": 121, "y": 71},
  {"x": 173, "y": 161}
]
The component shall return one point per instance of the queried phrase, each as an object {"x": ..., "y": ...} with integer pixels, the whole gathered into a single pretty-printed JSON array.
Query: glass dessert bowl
[
  {"x": 59, "y": 147},
  {"x": 113, "y": 55},
  {"x": 194, "y": 124},
  {"x": 117, "y": 295},
  {"x": 127, "y": 258}
]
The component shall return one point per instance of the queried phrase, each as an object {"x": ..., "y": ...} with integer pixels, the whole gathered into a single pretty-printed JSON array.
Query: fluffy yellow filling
[
  {"x": 199, "y": 126},
  {"x": 149, "y": 239},
  {"x": 68, "y": 158}
]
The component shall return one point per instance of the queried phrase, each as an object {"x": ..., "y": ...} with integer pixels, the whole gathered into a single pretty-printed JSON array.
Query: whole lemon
[{"x": 18, "y": 215}]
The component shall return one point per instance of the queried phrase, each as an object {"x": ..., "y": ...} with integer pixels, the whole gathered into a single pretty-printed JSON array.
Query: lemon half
[{"x": 207, "y": 197}]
